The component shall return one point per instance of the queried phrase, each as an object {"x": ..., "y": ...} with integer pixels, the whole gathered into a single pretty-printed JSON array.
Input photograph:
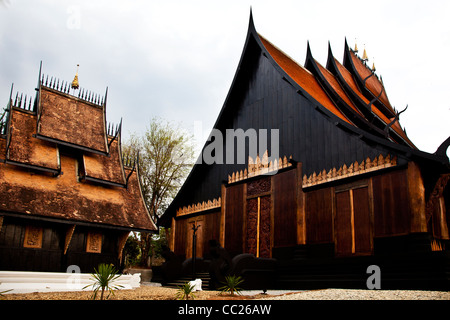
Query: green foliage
[
  {"x": 231, "y": 285},
  {"x": 104, "y": 280},
  {"x": 166, "y": 155},
  {"x": 131, "y": 251},
  {"x": 185, "y": 292}
]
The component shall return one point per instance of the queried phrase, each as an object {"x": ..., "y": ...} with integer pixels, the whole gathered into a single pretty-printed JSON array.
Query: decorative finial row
[
  {"x": 65, "y": 87},
  {"x": 112, "y": 129},
  {"x": 259, "y": 166},
  {"x": 200, "y": 206},
  {"x": 3, "y": 121},
  {"x": 345, "y": 171},
  {"x": 22, "y": 102},
  {"x": 129, "y": 161}
]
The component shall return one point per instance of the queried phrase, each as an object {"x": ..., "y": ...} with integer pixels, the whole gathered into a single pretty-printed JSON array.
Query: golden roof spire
[
  {"x": 373, "y": 67},
  {"x": 356, "y": 47},
  {"x": 75, "y": 84},
  {"x": 364, "y": 57}
]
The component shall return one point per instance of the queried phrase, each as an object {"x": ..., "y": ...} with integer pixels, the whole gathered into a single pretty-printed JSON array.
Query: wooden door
[
  {"x": 352, "y": 224},
  {"x": 258, "y": 235},
  {"x": 198, "y": 223}
]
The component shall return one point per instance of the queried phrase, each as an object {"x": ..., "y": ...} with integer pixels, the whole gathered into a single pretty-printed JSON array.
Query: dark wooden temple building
[
  {"x": 66, "y": 195},
  {"x": 347, "y": 190}
]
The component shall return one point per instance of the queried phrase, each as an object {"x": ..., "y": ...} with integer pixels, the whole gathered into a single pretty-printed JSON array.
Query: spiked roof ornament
[
  {"x": 356, "y": 48},
  {"x": 373, "y": 67},
  {"x": 365, "y": 57},
  {"x": 75, "y": 84}
]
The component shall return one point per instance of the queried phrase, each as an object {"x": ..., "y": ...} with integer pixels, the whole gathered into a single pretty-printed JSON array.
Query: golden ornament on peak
[
  {"x": 364, "y": 57},
  {"x": 75, "y": 84}
]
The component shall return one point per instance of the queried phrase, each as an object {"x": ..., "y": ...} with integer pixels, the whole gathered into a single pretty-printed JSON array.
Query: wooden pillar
[
  {"x": 301, "y": 203},
  {"x": 172, "y": 235},
  {"x": 222, "y": 216},
  {"x": 416, "y": 194}
]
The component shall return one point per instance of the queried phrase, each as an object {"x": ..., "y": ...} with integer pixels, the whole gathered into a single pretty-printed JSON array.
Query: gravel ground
[
  {"x": 161, "y": 293},
  {"x": 346, "y": 294}
]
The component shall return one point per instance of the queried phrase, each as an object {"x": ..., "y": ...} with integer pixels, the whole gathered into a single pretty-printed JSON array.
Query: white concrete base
[{"x": 27, "y": 282}]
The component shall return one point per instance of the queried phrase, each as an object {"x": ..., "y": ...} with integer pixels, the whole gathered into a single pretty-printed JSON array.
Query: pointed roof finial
[
  {"x": 373, "y": 67},
  {"x": 356, "y": 47},
  {"x": 364, "y": 57},
  {"x": 75, "y": 84}
]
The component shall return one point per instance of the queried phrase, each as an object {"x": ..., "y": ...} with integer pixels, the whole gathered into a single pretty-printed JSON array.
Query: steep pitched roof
[
  {"x": 303, "y": 78},
  {"x": 60, "y": 118},
  {"x": 368, "y": 82},
  {"x": 52, "y": 168},
  {"x": 314, "y": 110}
]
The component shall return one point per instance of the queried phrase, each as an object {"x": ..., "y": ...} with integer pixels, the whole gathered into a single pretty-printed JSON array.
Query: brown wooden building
[
  {"x": 348, "y": 190},
  {"x": 66, "y": 196}
]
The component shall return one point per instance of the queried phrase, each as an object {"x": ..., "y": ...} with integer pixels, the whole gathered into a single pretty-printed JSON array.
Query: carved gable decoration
[{"x": 33, "y": 237}]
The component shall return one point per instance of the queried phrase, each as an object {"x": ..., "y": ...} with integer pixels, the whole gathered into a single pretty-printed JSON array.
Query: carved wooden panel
[
  {"x": 33, "y": 237},
  {"x": 94, "y": 242},
  {"x": 199, "y": 225},
  {"x": 264, "y": 227},
  {"x": 252, "y": 226},
  {"x": 259, "y": 186},
  {"x": 258, "y": 233}
]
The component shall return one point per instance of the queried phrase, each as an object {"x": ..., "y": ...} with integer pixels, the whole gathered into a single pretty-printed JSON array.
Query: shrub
[
  {"x": 104, "y": 280},
  {"x": 185, "y": 291},
  {"x": 231, "y": 284}
]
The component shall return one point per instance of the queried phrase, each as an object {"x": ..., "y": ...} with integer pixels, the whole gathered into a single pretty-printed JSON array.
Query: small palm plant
[
  {"x": 231, "y": 285},
  {"x": 104, "y": 280},
  {"x": 185, "y": 292}
]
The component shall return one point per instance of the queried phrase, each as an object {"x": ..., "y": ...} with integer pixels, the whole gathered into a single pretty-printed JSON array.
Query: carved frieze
[
  {"x": 345, "y": 171},
  {"x": 200, "y": 206}
]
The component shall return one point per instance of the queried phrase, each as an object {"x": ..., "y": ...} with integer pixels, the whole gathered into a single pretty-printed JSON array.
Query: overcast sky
[{"x": 176, "y": 59}]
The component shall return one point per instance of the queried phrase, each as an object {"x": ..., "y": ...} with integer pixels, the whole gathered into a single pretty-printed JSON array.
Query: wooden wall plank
[
  {"x": 343, "y": 224},
  {"x": 416, "y": 194},
  {"x": 319, "y": 216},
  {"x": 391, "y": 204},
  {"x": 285, "y": 209},
  {"x": 234, "y": 219},
  {"x": 362, "y": 225}
]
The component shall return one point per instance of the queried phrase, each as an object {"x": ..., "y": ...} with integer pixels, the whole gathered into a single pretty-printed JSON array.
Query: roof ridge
[{"x": 285, "y": 54}]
